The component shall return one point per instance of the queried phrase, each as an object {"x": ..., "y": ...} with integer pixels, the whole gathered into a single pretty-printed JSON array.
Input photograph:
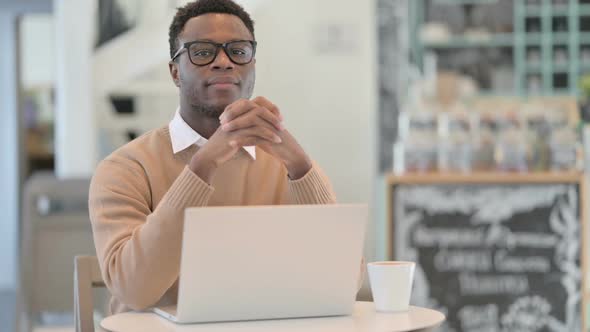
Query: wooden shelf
[
  {"x": 584, "y": 10},
  {"x": 464, "y": 2},
  {"x": 533, "y": 38},
  {"x": 486, "y": 177},
  {"x": 561, "y": 38},
  {"x": 560, "y": 10},
  {"x": 533, "y": 10},
  {"x": 556, "y": 10},
  {"x": 584, "y": 38},
  {"x": 534, "y": 68},
  {"x": 494, "y": 40},
  {"x": 561, "y": 68}
]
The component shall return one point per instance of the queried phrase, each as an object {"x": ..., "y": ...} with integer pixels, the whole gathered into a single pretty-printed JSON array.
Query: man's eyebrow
[{"x": 213, "y": 41}]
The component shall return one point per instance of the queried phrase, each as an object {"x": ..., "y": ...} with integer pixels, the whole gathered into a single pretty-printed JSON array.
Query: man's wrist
[
  {"x": 203, "y": 167},
  {"x": 298, "y": 167}
]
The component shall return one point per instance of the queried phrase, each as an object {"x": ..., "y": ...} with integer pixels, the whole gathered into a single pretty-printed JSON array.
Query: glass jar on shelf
[
  {"x": 510, "y": 153},
  {"x": 455, "y": 146},
  {"x": 534, "y": 84},
  {"x": 565, "y": 150},
  {"x": 417, "y": 144},
  {"x": 484, "y": 141},
  {"x": 564, "y": 146},
  {"x": 537, "y": 131}
]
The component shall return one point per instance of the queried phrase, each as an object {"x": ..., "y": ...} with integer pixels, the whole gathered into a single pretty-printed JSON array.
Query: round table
[{"x": 364, "y": 318}]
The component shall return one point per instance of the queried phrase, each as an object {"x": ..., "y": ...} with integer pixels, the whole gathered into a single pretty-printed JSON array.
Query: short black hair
[{"x": 201, "y": 7}]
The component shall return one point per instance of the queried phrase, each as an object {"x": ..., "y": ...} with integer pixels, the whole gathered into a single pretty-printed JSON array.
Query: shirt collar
[{"x": 183, "y": 136}]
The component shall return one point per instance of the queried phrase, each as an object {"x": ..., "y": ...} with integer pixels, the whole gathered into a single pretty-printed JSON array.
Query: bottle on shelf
[
  {"x": 510, "y": 151},
  {"x": 455, "y": 145},
  {"x": 537, "y": 130},
  {"x": 563, "y": 143},
  {"x": 484, "y": 141},
  {"x": 417, "y": 144}
]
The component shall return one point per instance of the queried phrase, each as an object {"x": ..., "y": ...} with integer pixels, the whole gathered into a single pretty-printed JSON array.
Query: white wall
[
  {"x": 75, "y": 125},
  {"x": 329, "y": 98},
  {"x": 37, "y": 38}
]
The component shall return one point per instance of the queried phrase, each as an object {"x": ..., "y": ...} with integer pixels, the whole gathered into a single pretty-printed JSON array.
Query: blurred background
[{"x": 378, "y": 92}]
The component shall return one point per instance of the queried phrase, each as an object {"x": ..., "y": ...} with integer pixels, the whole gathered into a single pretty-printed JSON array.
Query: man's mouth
[{"x": 223, "y": 82}]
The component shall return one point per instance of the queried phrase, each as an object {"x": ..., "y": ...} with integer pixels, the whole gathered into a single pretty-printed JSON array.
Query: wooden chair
[{"x": 86, "y": 277}]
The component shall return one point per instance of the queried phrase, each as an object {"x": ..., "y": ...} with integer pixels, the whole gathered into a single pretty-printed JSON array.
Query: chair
[
  {"x": 54, "y": 228},
  {"x": 86, "y": 276}
]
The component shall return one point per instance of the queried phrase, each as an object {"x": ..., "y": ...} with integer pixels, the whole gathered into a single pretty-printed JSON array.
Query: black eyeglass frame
[{"x": 218, "y": 46}]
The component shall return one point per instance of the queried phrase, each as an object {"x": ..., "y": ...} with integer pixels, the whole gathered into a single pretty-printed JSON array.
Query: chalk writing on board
[
  {"x": 471, "y": 284},
  {"x": 478, "y": 317},
  {"x": 493, "y": 257},
  {"x": 527, "y": 314},
  {"x": 461, "y": 237},
  {"x": 463, "y": 260}
]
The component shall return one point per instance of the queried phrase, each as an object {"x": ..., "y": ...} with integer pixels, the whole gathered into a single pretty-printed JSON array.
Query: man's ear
[{"x": 173, "y": 66}]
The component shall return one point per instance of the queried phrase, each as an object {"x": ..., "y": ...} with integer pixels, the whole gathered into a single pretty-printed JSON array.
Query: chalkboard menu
[{"x": 493, "y": 257}]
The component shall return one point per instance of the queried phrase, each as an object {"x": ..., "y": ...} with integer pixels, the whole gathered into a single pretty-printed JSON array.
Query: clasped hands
[{"x": 250, "y": 122}]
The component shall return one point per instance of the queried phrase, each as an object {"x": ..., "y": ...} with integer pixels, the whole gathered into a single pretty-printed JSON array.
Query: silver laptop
[{"x": 269, "y": 262}]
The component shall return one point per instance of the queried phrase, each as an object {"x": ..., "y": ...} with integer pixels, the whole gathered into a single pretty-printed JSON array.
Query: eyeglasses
[{"x": 202, "y": 53}]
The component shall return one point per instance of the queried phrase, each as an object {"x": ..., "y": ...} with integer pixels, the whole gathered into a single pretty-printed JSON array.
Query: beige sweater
[{"x": 137, "y": 200}]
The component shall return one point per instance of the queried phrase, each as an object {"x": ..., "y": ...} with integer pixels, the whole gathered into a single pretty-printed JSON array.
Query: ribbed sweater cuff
[
  {"x": 188, "y": 190},
  {"x": 312, "y": 188}
]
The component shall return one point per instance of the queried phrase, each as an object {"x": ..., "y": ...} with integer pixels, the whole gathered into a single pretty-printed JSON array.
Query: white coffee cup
[{"x": 391, "y": 284}]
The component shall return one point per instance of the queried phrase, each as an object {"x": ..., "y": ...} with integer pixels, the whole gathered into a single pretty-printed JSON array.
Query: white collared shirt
[{"x": 183, "y": 136}]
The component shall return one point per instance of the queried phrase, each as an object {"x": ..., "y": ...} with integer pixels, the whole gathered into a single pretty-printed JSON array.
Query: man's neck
[{"x": 203, "y": 124}]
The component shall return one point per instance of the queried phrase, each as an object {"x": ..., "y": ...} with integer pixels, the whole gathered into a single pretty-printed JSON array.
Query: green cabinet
[{"x": 549, "y": 42}]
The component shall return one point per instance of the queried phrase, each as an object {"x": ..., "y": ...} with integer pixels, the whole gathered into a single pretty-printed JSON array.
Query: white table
[{"x": 364, "y": 318}]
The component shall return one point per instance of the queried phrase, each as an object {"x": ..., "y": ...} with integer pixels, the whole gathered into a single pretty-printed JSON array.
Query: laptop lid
[{"x": 268, "y": 262}]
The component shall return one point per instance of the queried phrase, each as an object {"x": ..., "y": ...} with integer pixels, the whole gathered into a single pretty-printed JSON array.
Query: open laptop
[{"x": 269, "y": 262}]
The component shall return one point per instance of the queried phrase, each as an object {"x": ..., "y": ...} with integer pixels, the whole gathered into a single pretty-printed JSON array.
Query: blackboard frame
[{"x": 494, "y": 178}]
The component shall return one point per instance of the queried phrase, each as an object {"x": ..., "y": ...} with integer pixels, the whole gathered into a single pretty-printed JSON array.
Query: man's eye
[
  {"x": 237, "y": 51},
  {"x": 202, "y": 53}
]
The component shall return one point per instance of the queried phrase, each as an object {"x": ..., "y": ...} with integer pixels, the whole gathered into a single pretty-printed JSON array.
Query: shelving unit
[{"x": 548, "y": 31}]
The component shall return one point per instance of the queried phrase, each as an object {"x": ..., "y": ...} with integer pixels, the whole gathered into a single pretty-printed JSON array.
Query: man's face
[{"x": 214, "y": 86}]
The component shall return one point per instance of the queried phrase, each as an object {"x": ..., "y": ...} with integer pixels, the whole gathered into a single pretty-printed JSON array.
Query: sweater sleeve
[
  {"x": 313, "y": 188},
  {"x": 139, "y": 249}
]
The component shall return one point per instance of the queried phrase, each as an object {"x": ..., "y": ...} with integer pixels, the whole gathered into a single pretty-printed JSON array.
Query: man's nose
[{"x": 222, "y": 61}]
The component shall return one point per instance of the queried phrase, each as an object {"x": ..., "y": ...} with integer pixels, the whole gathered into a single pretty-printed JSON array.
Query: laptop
[{"x": 269, "y": 262}]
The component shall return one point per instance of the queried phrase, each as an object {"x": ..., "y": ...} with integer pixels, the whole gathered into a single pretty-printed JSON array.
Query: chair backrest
[
  {"x": 86, "y": 277},
  {"x": 55, "y": 227}
]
